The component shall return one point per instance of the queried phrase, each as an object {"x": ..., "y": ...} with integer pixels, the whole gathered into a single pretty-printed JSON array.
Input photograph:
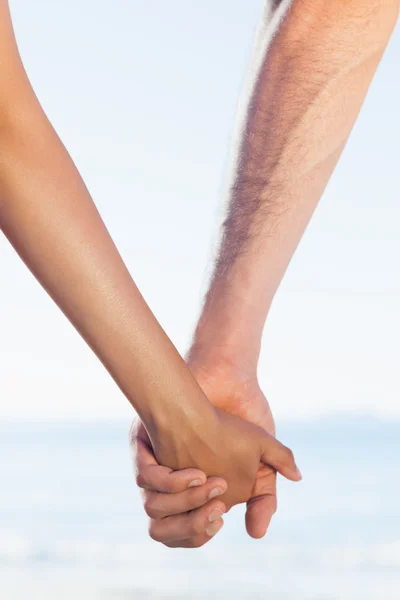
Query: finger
[
  {"x": 278, "y": 456},
  {"x": 159, "y": 506},
  {"x": 262, "y": 506},
  {"x": 199, "y": 540},
  {"x": 259, "y": 513},
  {"x": 152, "y": 476},
  {"x": 188, "y": 525}
]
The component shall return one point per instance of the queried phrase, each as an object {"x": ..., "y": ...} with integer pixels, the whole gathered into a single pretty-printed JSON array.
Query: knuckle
[
  {"x": 155, "y": 532},
  {"x": 194, "y": 501},
  {"x": 151, "y": 509},
  {"x": 288, "y": 455},
  {"x": 198, "y": 497},
  {"x": 191, "y": 543},
  {"x": 140, "y": 482},
  {"x": 197, "y": 526},
  {"x": 196, "y": 542},
  {"x": 169, "y": 487}
]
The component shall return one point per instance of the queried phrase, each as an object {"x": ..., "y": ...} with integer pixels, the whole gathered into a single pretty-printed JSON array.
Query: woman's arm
[{"x": 49, "y": 217}]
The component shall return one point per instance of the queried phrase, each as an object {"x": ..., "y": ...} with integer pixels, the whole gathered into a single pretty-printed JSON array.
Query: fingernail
[
  {"x": 195, "y": 483},
  {"x": 213, "y": 529},
  {"x": 214, "y": 493},
  {"x": 215, "y": 515}
]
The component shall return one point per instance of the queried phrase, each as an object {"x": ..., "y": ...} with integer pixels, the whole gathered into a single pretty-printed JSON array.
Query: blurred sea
[{"x": 71, "y": 523}]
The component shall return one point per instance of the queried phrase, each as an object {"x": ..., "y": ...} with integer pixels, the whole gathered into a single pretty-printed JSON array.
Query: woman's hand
[
  {"x": 236, "y": 390},
  {"x": 230, "y": 449},
  {"x": 222, "y": 445}
]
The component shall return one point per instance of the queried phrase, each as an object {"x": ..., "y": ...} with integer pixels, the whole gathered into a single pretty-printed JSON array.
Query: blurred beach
[{"x": 72, "y": 526}]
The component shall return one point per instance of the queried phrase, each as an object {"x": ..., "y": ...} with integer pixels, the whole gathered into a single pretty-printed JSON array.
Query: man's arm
[
  {"x": 48, "y": 215},
  {"x": 308, "y": 79},
  {"x": 307, "y": 86}
]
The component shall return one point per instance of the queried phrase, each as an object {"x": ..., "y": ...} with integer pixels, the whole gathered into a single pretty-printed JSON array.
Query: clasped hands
[{"x": 225, "y": 457}]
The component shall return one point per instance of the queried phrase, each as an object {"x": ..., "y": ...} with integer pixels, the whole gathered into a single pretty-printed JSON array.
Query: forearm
[
  {"x": 48, "y": 215},
  {"x": 306, "y": 89}
]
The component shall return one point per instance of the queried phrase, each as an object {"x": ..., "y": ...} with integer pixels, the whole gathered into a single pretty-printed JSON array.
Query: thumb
[
  {"x": 259, "y": 513},
  {"x": 278, "y": 456}
]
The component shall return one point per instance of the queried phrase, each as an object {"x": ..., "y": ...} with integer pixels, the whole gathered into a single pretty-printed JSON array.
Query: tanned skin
[{"x": 47, "y": 214}]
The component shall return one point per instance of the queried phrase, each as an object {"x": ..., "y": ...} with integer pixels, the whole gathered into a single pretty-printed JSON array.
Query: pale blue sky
[{"x": 144, "y": 95}]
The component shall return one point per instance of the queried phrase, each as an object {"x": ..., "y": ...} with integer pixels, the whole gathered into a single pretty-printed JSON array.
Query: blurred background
[{"x": 144, "y": 95}]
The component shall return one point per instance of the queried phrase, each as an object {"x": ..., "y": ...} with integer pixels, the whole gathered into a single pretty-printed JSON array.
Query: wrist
[
  {"x": 173, "y": 405},
  {"x": 174, "y": 434},
  {"x": 220, "y": 359},
  {"x": 230, "y": 340},
  {"x": 209, "y": 361},
  {"x": 232, "y": 321}
]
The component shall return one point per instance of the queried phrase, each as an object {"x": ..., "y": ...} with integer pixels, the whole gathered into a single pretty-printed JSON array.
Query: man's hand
[
  {"x": 180, "y": 516},
  {"x": 183, "y": 506},
  {"x": 309, "y": 77}
]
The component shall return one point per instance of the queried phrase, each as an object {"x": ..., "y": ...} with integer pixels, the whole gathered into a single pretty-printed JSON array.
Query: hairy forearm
[
  {"x": 307, "y": 84},
  {"x": 49, "y": 217}
]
